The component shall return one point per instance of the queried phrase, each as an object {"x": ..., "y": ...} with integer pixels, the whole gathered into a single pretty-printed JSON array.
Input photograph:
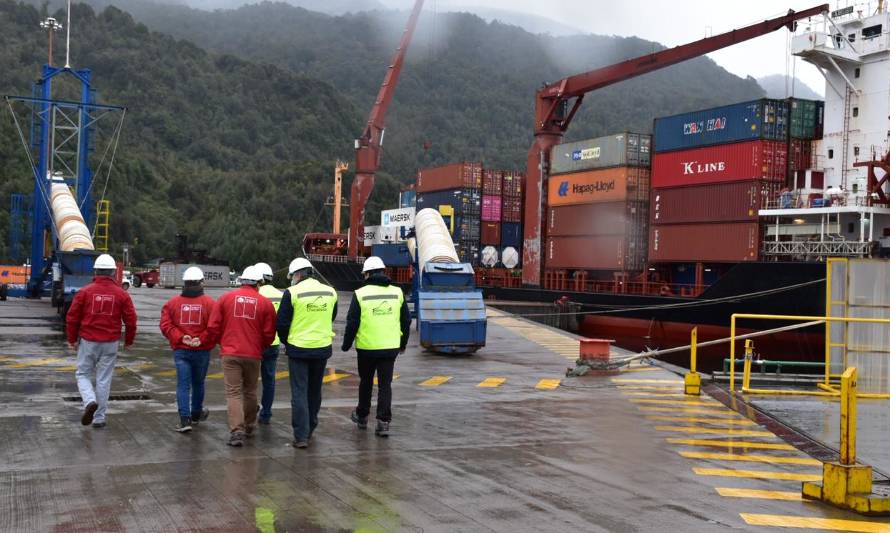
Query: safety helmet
[
  {"x": 298, "y": 264},
  {"x": 250, "y": 275},
  {"x": 373, "y": 263},
  {"x": 265, "y": 270},
  {"x": 104, "y": 262},
  {"x": 193, "y": 274}
]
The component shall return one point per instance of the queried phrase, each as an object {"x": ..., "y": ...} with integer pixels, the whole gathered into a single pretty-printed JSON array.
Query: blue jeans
[
  {"x": 267, "y": 374},
  {"x": 191, "y": 370},
  {"x": 306, "y": 376}
]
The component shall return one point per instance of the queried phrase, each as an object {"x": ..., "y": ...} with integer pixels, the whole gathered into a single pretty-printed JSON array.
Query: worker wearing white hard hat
[
  {"x": 184, "y": 320},
  {"x": 243, "y": 322},
  {"x": 306, "y": 326},
  {"x": 93, "y": 327},
  {"x": 379, "y": 323},
  {"x": 269, "y": 366}
]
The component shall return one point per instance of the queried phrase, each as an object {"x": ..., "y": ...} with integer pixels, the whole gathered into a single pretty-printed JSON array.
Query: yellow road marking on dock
[
  {"x": 708, "y": 403},
  {"x": 757, "y": 474},
  {"x": 630, "y": 380},
  {"x": 69, "y": 368},
  {"x": 641, "y": 369},
  {"x": 729, "y": 443},
  {"x": 166, "y": 373},
  {"x": 548, "y": 384},
  {"x": 435, "y": 381},
  {"x": 703, "y": 420},
  {"x": 689, "y": 411},
  {"x": 735, "y": 432},
  {"x": 752, "y": 458},
  {"x": 653, "y": 394},
  {"x": 282, "y": 374},
  {"x": 394, "y": 377},
  {"x": 330, "y": 378},
  {"x": 807, "y": 522},
  {"x": 492, "y": 382},
  {"x": 662, "y": 388},
  {"x": 216, "y": 375},
  {"x": 38, "y": 362},
  {"x": 732, "y": 492}
]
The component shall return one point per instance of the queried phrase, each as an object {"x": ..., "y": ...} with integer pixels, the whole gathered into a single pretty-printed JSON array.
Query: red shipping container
[
  {"x": 454, "y": 176},
  {"x": 603, "y": 252},
  {"x": 512, "y": 209},
  {"x": 736, "y": 201},
  {"x": 612, "y": 218},
  {"x": 512, "y": 184},
  {"x": 721, "y": 163},
  {"x": 800, "y": 154},
  {"x": 491, "y": 208},
  {"x": 491, "y": 182},
  {"x": 731, "y": 242},
  {"x": 491, "y": 233}
]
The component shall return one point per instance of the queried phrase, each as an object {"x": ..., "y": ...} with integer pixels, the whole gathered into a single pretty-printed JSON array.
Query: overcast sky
[{"x": 672, "y": 23}]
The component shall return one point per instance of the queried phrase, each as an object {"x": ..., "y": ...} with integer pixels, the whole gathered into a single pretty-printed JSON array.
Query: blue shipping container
[
  {"x": 407, "y": 199},
  {"x": 464, "y": 201},
  {"x": 511, "y": 234},
  {"x": 758, "y": 119},
  {"x": 393, "y": 255}
]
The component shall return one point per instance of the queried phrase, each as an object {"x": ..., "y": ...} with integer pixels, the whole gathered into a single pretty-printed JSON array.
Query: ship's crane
[
  {"x": 368, "y": 146},
  {"x": 557, "y": 103}
]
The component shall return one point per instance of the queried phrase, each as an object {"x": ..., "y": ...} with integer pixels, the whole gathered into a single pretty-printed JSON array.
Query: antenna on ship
[
  {"x": 68, "y": 39},
  {"x": 51, "y": 26}
]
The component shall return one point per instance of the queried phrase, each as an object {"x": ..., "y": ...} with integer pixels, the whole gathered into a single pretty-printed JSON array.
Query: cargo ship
[{"x": 723, "y": 210}]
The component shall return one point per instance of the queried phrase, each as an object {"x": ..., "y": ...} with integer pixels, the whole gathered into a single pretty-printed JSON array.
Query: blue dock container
[
  {"x": 765, "y": 119},
  {"x": 393, "y": 254},
  {"x": 511, "y": 234}
]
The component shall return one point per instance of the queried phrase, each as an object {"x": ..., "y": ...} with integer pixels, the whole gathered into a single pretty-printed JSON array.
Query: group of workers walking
[{"x": 250, "y": 324}]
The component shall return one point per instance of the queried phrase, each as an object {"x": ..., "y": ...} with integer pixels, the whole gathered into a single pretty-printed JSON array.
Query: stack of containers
[
  {"x": 711, "y": 173},
  {"x": 805, "y": 126},
  {"x": 490, "y": 238},
  {"x": 455, "y": 191},
  {"x": 511, "y": 219},
  {"x": 597, "y": 204}
]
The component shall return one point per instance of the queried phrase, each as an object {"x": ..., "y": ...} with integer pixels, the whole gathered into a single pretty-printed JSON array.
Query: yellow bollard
[
  {"x": 848, "y": 417},
  {"x": 749, "y": 355},
  {"x": 692, "y": 380}
]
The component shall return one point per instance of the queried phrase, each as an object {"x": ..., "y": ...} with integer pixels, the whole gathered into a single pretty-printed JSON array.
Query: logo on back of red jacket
[
  {"x": 190, "y": 314},
  {"x": 103, "y": 304},
  {"x": 245, "y": 307}
]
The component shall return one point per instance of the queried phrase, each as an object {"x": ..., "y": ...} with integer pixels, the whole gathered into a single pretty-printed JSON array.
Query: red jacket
[
  {"x": 187, "y": 315},
  {"x": 97, "y": 312},
  {"x": 243, "y": 322}
]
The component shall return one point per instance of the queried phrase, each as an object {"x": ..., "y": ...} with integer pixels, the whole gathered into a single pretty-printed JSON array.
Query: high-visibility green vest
[
  {"x": 274, "y": 295},
  {"x": 380, "y": 327},
  {"x": 312, "y": 325}
]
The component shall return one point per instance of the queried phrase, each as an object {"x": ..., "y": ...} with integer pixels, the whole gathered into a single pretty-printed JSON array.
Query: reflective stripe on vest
[
  {"x": 312, "y": 325},
  {"x": 274, "y": 296},
  {"x": 380, "y": 327}
]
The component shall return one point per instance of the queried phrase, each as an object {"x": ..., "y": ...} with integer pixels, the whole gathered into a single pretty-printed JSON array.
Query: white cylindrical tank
[
  {"x": 510, "y": 257},
  {"x": 433, "y": 240},
  {"x": 70, "y": 227},
  {"x": 489, "y": 256}
]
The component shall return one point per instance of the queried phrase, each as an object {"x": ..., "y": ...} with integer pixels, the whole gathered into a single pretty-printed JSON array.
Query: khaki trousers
[{"x": 240, "y": 375}]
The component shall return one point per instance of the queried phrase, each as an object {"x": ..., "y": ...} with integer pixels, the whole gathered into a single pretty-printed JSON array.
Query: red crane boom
[
  {"x": 369, "y": 145},
  {"x": 554, "y": 111}
]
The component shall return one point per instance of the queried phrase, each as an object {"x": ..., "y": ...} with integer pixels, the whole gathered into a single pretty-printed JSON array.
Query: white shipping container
[
  {"x": 214, "y": 275},
  {"x": 397, "y": 217},
  {"x": 372, "y": 235}
]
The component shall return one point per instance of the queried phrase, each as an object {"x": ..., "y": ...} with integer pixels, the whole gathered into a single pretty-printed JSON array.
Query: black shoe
[
  {"x": 264, "y": 421},
  {"x": 382, "y": 429},
  {"x": 302, "y": 444},
  {"x": 185, "y": 424},
  {"x": 201, "y": 417},
  {"x": 360, "y": 422},
  {"x": 236, "y": 439},
  {"x": 88, "y": 413},
  {"x": 99, "y": 425}
]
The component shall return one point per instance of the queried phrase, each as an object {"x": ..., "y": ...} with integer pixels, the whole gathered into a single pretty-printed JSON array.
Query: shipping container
[
  {"x": 408, "y": 198},
  {"x": 397, "y": 217},
  {"x": 491, "y": 208},
  {"x": 492, "y": 182},
  {"x": 491, "y": 233},
  {"x": 806, "y": 118},
  {"x": 602, "y": 252},
  {"x": 454, "y": 176},
  {"x": 467, "y": 229},
  {"x": 800, "y": 155},
  {"x": 620, "y": 150},
  {"x": 512, "y": 184},
  {"x": 730, "y": 242},
  {"x": 721, "y": 163},
  {"x": 463, "y": 201},
  {"x": 170, "y": 274},
  {"x": 602, "y": 185},
  {"x": 763, "y": 119},
  {"x": 713, "y": 202},
  {"x": 393, "y": 255},
  {"x": 511, "y": 234},
  {"x": 612, "y": 218},
  {"x": 468, "y": 251},
  {"x": 511, "y": 209}
]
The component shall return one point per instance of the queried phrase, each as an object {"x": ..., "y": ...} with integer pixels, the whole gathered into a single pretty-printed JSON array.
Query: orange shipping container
[
  {"x": 13, "y": 275},
  {"x": 602, "y": 185}
]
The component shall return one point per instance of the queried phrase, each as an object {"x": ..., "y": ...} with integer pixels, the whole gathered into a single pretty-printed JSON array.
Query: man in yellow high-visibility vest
[
  {"x": 306, "y": 326},
  {"x": 379, "y": 323},
  {"x": 269, "y": 366}
]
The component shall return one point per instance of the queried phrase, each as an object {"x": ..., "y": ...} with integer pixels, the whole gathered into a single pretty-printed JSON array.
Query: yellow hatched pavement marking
[
  {"x": 166, "y": 373},
  {"x": 629, "y": 380},
  {"x": 690, "y": 411},
  {"x": 806, "y": 522},
  {"x": 394, "y": 377},
  {"x": 732, "y": 492},
  {"x": 435, "y": 381},
  {"x": 38, "y": 362},
  {"x": 735, "y": 432},
  {"x": 282, "y": 374},
  {"x": 548, "y": 384},
  {"x": 330, "y": 378},
  {"x": 215, "y": 375},
  {"x": 770, "y": 459},
  {"x": 757, "y": 474},
  {"x": 699, "y": 419},
  {"x": 730, "y": 444},
  {"x": 679, "y": 403},
  {"x": 490, "y": 383}
]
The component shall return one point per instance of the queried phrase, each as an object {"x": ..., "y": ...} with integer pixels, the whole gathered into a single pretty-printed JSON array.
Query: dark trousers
[
  {"x": 267, "y": 374},
  {"x": 306, "y": 377},
  {"x": 383, "y": 366}
]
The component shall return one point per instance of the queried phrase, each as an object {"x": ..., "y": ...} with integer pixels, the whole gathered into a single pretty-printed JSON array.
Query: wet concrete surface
[{"x": 598, "y": 453}]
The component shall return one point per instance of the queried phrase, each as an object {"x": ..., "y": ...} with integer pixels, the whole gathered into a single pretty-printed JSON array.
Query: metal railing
[{"x": 831, "y": 248}]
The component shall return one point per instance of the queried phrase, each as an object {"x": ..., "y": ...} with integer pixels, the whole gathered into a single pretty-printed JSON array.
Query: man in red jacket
[
  {"x": 93, "y": 327},
  {"x": 184, "y": 322},
  {"x": 243, "y": 322}
]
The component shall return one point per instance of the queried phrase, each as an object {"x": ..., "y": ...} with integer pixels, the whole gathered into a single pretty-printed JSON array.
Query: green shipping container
[{"x": 806, "y": 117}]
